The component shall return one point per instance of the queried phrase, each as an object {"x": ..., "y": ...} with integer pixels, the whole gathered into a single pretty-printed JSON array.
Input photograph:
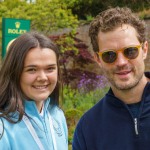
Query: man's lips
[{"x": 123, "y": 72}]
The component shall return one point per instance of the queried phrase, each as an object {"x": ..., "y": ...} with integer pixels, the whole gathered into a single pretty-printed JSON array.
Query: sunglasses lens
[
  {"x": 109, "y": 56},
  {"x": 131, "y": 52}
]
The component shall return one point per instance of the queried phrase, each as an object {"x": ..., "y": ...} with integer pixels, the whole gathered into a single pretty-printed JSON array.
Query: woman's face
[{"x": 39, "y": 76}]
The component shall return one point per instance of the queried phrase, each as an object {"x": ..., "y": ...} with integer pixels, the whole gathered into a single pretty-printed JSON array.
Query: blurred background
[{"x": 66, "y": 22}]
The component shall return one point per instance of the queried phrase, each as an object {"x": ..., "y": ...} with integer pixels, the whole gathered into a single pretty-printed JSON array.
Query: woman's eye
[
  {"x": 31, "y": 70},
  {"x": 51, "y": 69}
]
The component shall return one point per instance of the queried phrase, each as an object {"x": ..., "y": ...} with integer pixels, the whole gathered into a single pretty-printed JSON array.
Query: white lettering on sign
[{"x": 16, "y": 31}]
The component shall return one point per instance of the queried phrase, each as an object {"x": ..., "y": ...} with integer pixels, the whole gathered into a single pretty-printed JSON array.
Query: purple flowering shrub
[
  {"x": 90, "y": 81},
  {"x": 83, "y": 84},
  {"x": 75, "y": 61}
]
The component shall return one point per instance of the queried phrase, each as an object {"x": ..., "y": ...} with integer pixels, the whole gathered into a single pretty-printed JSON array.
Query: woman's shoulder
[
  {"x": 56, "y": 111},
  {"x": 58, "y": 115},
  {"x": 1, "y": 127},
  {"x": 59, "y": 121},
  {"x": 3, "y": 138}
]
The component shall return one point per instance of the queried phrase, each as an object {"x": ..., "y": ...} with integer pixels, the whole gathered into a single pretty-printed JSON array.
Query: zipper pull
[{"x": 135, "y": 126}]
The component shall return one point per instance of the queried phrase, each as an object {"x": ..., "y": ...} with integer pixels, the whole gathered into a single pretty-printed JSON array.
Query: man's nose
[{"x": 121, "y": 59}]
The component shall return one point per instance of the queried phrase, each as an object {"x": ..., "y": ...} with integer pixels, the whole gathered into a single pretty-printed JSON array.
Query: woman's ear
[
  {"x": 145, "y": 49},
  {"x": 97, "y": 59}
]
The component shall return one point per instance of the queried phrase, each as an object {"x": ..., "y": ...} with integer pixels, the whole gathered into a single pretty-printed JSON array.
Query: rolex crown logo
[{"x": 17, "y": 24}]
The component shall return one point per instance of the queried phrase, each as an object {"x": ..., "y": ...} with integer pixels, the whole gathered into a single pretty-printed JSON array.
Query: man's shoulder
[
  {"x": 147, "y": 74},
  {"x": 97, "y": 107}
]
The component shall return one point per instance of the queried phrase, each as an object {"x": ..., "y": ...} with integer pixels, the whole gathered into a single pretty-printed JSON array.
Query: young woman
[{"x": 29, "y": 90}]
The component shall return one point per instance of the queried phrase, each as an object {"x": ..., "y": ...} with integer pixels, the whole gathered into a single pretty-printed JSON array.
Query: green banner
[{"x": 11, "y": 29}]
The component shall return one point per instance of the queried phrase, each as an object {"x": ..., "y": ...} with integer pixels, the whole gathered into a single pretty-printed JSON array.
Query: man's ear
[
  {"x": 97, "y": 59},
  {"x": 145, "y": 49}
]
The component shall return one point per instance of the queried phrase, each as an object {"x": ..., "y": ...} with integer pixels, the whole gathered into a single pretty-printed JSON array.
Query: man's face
[{"x": 124, "y": 73}]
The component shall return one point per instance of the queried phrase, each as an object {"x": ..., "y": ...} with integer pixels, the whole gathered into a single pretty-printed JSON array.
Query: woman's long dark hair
[{"x": 11, "y": 95}]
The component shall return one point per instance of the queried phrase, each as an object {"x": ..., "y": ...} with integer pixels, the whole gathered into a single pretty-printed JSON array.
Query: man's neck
[{"x": 133, "y": 95}]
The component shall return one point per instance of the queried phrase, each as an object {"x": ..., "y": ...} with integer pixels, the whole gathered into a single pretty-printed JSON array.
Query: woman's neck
[{"x": 39, "y": 105}]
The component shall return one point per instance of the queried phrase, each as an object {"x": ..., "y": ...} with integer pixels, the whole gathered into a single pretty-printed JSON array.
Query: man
[{"x": 121, "y": 120}]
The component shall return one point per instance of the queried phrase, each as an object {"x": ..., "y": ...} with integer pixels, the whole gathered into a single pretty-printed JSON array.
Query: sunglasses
[{"x": 110, "y": 56}]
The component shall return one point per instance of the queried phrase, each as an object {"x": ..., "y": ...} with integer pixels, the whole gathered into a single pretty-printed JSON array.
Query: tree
[
  {"x": 85, "y": 8},
  {"x": 45, "y": 15}
]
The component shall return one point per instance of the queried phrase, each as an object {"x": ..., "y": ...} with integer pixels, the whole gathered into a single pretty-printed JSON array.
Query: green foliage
[
  {"x": 72, "y": 116},
  {"x": 75, "y": 104},
  {"x": 73, "y": 99},
  {"x": 84, "y": 8},
  {"x": 145, "y": 14},
  {"x": 45, "y": 15},
  {"x": 65, "y": 42}
]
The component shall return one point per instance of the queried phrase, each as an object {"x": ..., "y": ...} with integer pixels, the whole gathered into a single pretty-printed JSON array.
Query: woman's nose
[{"x": 42, "y": 76}]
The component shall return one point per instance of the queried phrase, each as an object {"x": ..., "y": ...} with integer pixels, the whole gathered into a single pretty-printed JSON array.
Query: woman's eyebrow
[{"x": 50, "y": 65}]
